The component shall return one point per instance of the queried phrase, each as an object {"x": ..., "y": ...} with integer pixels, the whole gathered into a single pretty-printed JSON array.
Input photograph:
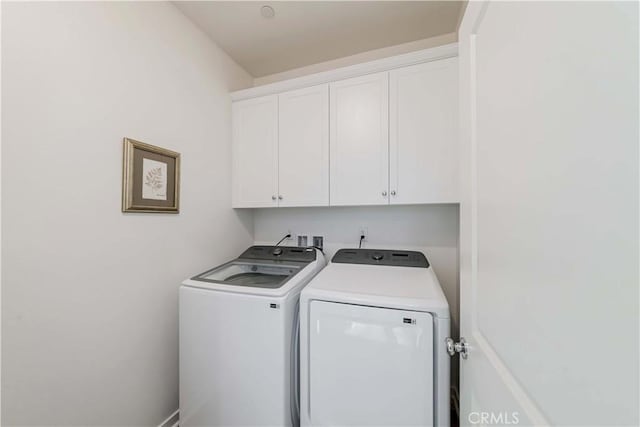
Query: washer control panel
[
  {"x": 381, "y": 257},
  {"x": 280, "y": 253}
]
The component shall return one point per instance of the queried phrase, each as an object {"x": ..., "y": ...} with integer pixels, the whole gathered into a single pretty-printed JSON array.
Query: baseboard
[{"x": 172, "y": 420}]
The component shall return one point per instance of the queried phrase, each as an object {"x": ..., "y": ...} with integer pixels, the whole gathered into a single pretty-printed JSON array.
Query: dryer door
[{"x": 369, "y": 366}]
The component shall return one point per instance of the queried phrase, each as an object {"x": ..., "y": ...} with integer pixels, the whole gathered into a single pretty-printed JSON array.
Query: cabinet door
[
  {"x": 303, "y": 146},
  {"x": 423, "y": 165},
  {"x": 359, "y": 141},
  {"x": 255, "y": 152}
]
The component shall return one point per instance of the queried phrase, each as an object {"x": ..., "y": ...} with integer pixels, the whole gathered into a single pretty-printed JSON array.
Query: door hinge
[{"x": 457, "y": 347}]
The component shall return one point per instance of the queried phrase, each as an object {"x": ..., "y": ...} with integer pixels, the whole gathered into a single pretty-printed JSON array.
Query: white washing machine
[
  {"x": 238, "y": 338},
  {"x": 373, "y": 326}
]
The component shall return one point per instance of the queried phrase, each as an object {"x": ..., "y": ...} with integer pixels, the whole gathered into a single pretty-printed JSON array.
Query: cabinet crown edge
[{"x": 379, "y": 65}]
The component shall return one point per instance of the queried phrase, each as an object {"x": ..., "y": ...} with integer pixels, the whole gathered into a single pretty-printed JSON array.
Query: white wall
[
  {"x": 432, "y": 229},
  {"x": 89, "y": 295}
]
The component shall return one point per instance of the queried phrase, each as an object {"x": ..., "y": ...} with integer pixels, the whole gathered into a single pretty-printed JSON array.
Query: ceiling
[{"x": 308, "y": 32}]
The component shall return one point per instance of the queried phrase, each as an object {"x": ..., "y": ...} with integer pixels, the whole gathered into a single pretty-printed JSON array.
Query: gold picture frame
[{"x": 150, "y": 178}]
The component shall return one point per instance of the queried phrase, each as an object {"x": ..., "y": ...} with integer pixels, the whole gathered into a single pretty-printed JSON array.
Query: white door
[
  {"x": 369, "y": 366},
  {"x": 255, "y": 152},
  {"x": 423, "y": 128},
  {"x": 359, "y": 141},
  {"x": 549, "y": 214},
  {"x": 304, "y": 147}
]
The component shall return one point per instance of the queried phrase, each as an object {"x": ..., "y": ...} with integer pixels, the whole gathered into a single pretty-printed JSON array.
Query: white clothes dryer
[{"x": 373, "y": 326}]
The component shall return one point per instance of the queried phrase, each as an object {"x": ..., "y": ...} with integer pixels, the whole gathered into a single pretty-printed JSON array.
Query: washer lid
[
  {"x": 405, "y": 288},
  {"x": 257, "y": 274},
  {"x": 260, "y": 272}
]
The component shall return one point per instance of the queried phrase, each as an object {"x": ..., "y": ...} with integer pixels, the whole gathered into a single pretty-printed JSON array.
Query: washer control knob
[
  {"x": 377, "y": 256},
  {"x": 277, "y": 252}
]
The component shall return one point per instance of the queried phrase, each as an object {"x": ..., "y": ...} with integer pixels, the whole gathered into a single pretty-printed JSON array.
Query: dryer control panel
[{"x": 381, "y": 257}]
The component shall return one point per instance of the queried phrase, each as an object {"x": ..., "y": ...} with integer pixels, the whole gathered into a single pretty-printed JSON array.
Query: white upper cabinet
[
  {"x": 373, "y": 138},
  {"x": 359, "y": 140},
  {"x": 255, "y": 152},
  {"x": 304, "y": 147},
  {"x": 423, "y": 163}
]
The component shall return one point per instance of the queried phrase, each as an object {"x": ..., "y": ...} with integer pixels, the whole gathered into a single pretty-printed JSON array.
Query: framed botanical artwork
[{"x": 150, "y": 178}]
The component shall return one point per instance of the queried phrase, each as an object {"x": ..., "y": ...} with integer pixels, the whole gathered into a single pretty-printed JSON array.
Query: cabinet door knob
[
  {"x": 384, "y": 194},
  {"x": 273, "y": 197},
  {"x": 280, "y": 197},
  {"x": 393, "y": 192}
]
